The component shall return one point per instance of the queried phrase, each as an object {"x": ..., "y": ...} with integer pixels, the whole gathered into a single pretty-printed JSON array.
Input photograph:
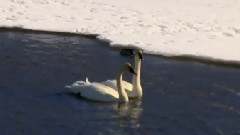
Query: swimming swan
[
  {"x": 99, "y": 92},
  {"x": 133, "y": 90}
]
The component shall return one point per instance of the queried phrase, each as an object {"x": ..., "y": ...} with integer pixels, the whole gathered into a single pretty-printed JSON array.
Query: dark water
[{"x": 180, "y": 97}]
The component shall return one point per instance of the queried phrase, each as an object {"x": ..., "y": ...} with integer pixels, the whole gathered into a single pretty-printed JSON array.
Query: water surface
[{"x": 179, "y": 97}]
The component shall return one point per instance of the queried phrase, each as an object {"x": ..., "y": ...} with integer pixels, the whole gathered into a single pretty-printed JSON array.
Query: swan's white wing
[
  {"x": 126, "y": 85},
  {"x": 113, "y": 84},
  {"x": 95, "y": 91}
]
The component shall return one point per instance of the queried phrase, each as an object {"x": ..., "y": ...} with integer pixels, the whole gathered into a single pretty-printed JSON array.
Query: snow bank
[{"x": 198, "y": 28}]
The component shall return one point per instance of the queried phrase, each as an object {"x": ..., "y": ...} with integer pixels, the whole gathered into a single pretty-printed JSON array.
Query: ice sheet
[{"x": 198, "y": 28}]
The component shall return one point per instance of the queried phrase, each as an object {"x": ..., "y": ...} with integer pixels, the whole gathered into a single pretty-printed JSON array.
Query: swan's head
[
  {"x": 128, "y": 67},
  {"x": 139, "y": 54}
]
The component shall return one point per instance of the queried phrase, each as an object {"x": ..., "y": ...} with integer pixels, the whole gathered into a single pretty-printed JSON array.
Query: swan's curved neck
[
  {"x": 122, "y": 94},
  {"x": 136, "y": 82},
  {"x": 136, "y": 78}
]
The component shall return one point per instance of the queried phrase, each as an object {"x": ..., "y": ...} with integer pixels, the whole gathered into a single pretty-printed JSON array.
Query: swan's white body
[
  {"x": 133, "y": 90},
  {"x": 99, "y": 92},
  {"x": 94, "y": 91},
  {"x": 113, "y": 84}
]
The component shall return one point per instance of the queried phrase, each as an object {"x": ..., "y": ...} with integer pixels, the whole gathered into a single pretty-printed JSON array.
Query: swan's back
[
  {"x": 94, "y": 91},
  {"x": 113, "y": 84}
]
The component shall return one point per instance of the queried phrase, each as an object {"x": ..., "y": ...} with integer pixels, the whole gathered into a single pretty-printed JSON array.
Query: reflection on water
[
  {"x": 179, "y": 97},
  {"x": 132, "y": 109},
  {"x": 127, "y": 116}
]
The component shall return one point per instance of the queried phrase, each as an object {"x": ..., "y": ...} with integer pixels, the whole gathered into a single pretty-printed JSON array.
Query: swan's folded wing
[
  {"x": 113, "y": 84},
  {"x": 99, "y": 92},
  {"x": 96, "y": 92}
]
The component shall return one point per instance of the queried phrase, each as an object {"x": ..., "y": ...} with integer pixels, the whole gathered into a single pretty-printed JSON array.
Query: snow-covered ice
[{"x": 200, "y": 28}]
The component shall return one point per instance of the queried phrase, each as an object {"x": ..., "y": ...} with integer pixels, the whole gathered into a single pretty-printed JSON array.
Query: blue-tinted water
[{"x": 180, "y": 97}]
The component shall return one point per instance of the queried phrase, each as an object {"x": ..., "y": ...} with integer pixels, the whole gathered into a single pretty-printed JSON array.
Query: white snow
[{"x": 199, "y": 28}]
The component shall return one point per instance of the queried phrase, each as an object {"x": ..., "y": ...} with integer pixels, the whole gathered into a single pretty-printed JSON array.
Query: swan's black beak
[{"x": 132, "y": 71}]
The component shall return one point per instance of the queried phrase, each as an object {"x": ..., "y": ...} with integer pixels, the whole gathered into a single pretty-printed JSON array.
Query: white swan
[
  {"x": 133, "y": 90},
  {"x": 99, "y": 92}
]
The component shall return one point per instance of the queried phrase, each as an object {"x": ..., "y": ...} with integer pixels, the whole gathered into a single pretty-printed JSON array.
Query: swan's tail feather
[
  {"x": 76, "y": 86},
  {"x": 87, "y": 80},
  {"x": 68, "y": 87},
  {"x": 72, "y": 89}
]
